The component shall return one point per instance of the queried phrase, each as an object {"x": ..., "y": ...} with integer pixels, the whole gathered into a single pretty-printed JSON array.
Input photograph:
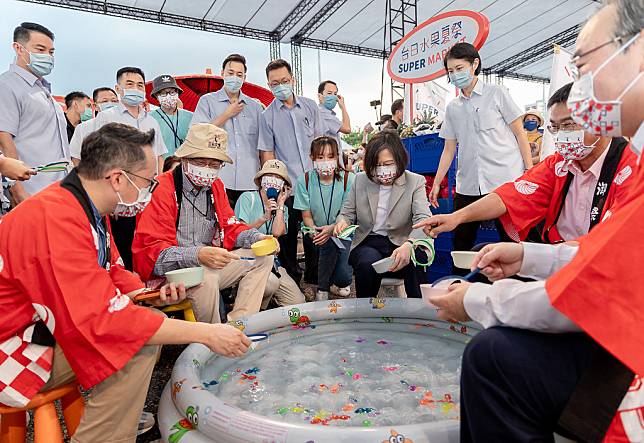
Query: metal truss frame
[
  {"x": 296, "y": 64},
  {"x": 403, "y": 17}
]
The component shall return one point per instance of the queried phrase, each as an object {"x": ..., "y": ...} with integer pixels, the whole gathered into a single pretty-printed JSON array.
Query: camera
[{"x": 375, "y": 103}]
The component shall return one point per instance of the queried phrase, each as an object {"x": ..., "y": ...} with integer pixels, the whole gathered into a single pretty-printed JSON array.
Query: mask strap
[
  {"x": 616, "y": 53},
  {"x": 630, "y": 85},
  {"x": 130, "y": 180}
]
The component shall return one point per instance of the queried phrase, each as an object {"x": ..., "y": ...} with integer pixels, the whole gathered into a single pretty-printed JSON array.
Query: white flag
[
  {"x": 560, "y": 75},
  {"x": 420, "y": 98}
]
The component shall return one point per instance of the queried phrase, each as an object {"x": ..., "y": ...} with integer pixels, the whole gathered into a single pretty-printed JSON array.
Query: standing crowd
[{"x": 110, "y": 195}]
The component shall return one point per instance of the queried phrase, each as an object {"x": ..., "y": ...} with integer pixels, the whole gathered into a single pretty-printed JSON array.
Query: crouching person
[
  {"x": 66, "y": 309},
  {"x": 189, "y": 222}
]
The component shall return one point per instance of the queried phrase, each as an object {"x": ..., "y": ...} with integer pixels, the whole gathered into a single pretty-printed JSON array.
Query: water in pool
[{"x": 367, "y": 375}]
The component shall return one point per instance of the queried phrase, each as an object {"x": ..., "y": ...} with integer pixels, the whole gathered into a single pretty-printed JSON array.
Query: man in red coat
[
  {"x": 565, "y": 195},
  {"x": 66, "y": 309},
  {"x": 190, "y": 223},
  {"x": 570, "y": 350}
]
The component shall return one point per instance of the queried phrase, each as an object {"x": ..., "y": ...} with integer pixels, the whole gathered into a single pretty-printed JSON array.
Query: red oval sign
[{"x": 418, "y": 57}]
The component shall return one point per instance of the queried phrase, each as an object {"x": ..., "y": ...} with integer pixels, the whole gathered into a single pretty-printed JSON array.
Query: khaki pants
[
  {"x": 114, "y": 406},
  {"x": 283, "y": 289},
  {"x": 250, "y": 291}
]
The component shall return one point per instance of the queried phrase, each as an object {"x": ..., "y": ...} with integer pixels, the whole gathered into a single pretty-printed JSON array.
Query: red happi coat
[
  {"x": 601, "y": 291},
  {"x": 156, "y": 226},
  {"x": 538, "y": 195},
  {"x": 49, "y": 271}
]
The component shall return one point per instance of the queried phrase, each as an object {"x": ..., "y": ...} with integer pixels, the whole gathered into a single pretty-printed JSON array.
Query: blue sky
[{"x": 91, "y": 47}]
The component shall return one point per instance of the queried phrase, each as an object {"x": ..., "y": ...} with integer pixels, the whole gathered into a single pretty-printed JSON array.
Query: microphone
[{"x": 272, "y": 194}]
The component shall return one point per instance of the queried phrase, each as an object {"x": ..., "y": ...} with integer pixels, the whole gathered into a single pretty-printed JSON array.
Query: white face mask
[
  {"x": 272, "y": 182},
  {"x": 131, "y": 209},
  {"x": 598, "y": 117},
  {"x": 325, "y": 167},
  {"x": 570, "y": 144},
  {"x": 200, "y": 175},
  {"x": 168, "y": 100},
  {"x": 386, "y": 174}
]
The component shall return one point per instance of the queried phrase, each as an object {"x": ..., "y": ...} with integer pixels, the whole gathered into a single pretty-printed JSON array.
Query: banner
[
  {"x": 422, "y": 98},
  {"x": 560, "y": 75},
  {"x": 418, "y": 57}
]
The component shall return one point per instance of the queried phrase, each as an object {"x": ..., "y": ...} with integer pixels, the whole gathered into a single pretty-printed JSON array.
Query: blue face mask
[
  {"x": 233, "y": 83},
  {"x": 40, "y": 64},
  {"x": 87, "y": 115},
  {"x": 530, "y": 125},
  {"x": 107, "y": 105},
  {"x": 282, "y": 92},
  {"x": 133, "y": 97},
  {"x": 461, "y": 79},
  {"x": 330, "y": 101}
]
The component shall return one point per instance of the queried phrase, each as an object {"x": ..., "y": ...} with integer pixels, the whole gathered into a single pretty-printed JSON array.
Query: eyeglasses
[
  {"x": 206, "y": 163},
  {"x": 572, "y": 64},
  {"x": 571, "y": 126},
  {"x": 153, "y": 181},
  {"x": 284, "y": 81}
]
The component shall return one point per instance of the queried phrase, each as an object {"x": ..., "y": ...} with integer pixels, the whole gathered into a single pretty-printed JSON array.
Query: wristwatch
[{"x": 280, "y": 208}]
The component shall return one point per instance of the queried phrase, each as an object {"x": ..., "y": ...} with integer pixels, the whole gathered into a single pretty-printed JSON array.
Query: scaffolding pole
[
  {"x": 296, "y": 64},
  {"x": 403, "y": 17}
]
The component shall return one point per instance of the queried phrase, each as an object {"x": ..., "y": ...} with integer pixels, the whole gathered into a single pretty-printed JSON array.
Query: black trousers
[
  {"x": 465, "y": 233},
  {"x": 372, "y": 249},
  {"x": 515, "y": 383},
  {"x": 123, "y": 233},
  {"x": 233, "y": 196},
  {"x": 288, "y": 243}
]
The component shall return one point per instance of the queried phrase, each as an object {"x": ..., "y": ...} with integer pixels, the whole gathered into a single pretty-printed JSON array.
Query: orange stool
[{"x": 46, "y": 426}]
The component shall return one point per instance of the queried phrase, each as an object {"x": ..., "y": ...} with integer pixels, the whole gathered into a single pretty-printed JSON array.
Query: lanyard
[
  {"x": 267, "y": 223},
  {"x": 327, "y": 213},
  {"x": 175, "y": 129}
]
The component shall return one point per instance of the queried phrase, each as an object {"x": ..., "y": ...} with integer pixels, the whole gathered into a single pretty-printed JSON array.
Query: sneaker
[
  {"x": 341, "y": 292},
  {"x": 322, "y": 296},
  {"x": 146, "y": 422}
]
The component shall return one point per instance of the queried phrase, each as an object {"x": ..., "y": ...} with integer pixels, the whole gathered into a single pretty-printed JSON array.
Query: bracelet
[{"x": 425, "y": 243}]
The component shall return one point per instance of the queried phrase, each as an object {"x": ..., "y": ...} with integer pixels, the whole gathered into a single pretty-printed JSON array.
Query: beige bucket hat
[
  {"x": 534, "y": 112},
  {"x": 272, "y": 167},
  {"x": 205, "y": 141}
]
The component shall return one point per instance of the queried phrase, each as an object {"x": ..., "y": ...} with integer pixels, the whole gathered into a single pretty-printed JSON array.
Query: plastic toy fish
[
  {"x": 348, "y": 407},
  {"x": 364, "y": 410},
  {"x": 248, "y": 377},
  {"x": 390, "y": 368},
  {"x": 210, "y": 383},
  {"x": 382, "y": 342},
  {"x": 254, "y": 370},
  {"x": 360, "y": 340}
]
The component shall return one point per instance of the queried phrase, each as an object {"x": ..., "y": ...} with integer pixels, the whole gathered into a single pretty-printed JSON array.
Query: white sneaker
[
  {"x": 146, "y": 422},
  {"x": 322, "y": 296},
  {"x": 341, "y": 292}
]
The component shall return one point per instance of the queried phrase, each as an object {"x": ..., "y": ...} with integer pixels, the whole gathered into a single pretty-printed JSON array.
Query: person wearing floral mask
[
  {"x": 32, "y": 124},
  {"x": 319, "y": 194},
  {"x": 173, "y": 120},
  {"x": 190, "y": 223},
  {"x": 385, "y": 201},
  {"x": 287, "y": 128},
  {"x": 231, "y": 109},
  {"x": 561, "y": 198},
  {"x": 131, "y": 111},
  {"x": 265, "y": 211}
]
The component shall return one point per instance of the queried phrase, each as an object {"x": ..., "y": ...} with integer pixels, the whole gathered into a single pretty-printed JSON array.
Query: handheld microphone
[{"x": 272, "y": 194}]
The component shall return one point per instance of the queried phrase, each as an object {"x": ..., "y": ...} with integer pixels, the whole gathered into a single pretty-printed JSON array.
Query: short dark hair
[
  {"x": 129, "y": 70},
  {"x": 75, "y": 95},
  {"x": 397, "y": 105},
  {"x": 560, "y": 95},
  {"x": 102, "y": 89},
  {"x": 23, "y": 32},
  {"x": 113, "y": 146},
  {"x": 234, "y": 58},
  {"x": 464, "y": 51},
  {"x": 170, "y": 162},
  {"x": 323, "y": 85},
  {"x": 318, "y": 146},
  {"x": 277, "y": 64},
  {"x": 387, "y": 139}
]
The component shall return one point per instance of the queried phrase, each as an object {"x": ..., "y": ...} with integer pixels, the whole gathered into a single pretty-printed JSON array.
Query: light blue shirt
[
  {"x": 289, "y": 133},
  {"x": 249, "y": 207},
  {"x": 174, "y": 128},
  {"x": 242, "y": 132},
  {"x": 36, "y": 121},
  {"x": 332, "y": 123},
  {"x": 317, "y": 198}
]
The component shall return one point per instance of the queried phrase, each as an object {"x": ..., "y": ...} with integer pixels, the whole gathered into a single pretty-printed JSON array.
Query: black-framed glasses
[
  {"x": 153, "y": 181},
  {"x": 573, "y": 61}
]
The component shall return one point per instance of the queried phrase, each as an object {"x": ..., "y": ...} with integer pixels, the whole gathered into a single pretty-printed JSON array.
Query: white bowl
[
  {"x": 463, "y": 259},
  {"x": 382, "y": 266},
  {"x": 190, "y": 277},
  {"x": 428, "y": 291}
]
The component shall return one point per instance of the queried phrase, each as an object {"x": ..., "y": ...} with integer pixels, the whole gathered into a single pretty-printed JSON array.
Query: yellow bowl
[{"x": 264, "y": 247}]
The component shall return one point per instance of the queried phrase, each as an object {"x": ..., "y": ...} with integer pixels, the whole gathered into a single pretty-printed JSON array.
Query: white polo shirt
[{"x": 488, "y": 152}]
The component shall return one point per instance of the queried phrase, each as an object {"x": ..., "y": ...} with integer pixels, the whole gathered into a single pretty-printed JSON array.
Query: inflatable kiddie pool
[{"x": 354, "y": 370}]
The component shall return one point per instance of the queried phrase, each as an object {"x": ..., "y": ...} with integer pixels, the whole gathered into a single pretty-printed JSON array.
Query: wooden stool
[
  {"x": 392, "y": 287},
  {"x": 47, "y": 429},
  {"x": 184, "y": 306}
]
